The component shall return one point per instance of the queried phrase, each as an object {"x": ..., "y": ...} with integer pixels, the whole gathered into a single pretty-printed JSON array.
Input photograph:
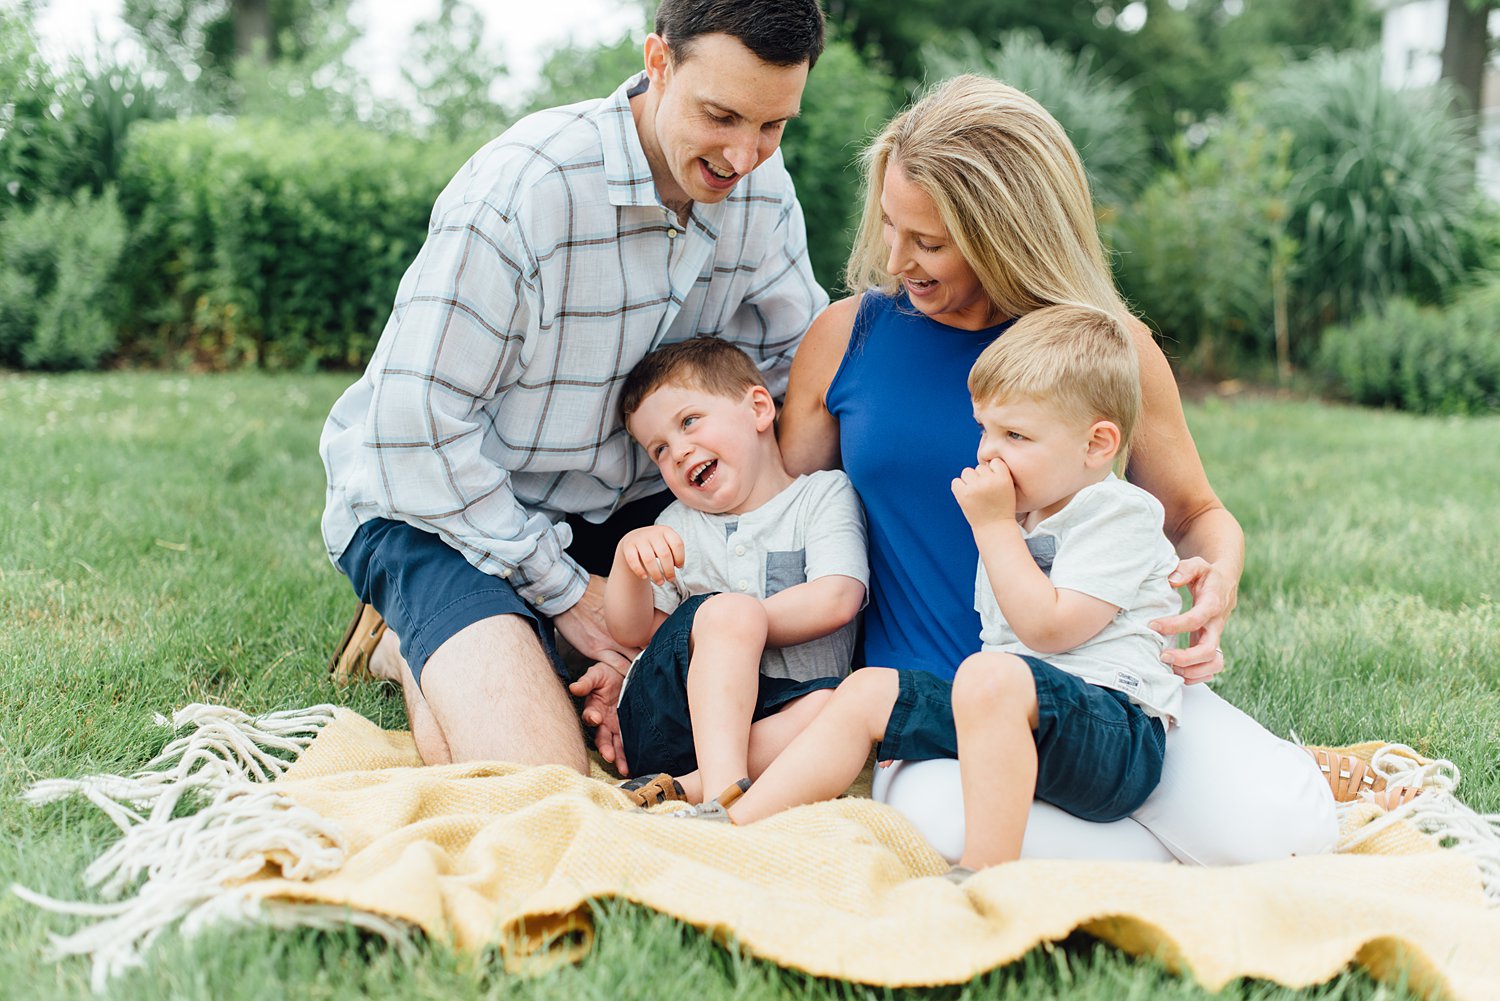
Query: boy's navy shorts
[
  {"x": 1098, "y": 754},
  {"x": 654, "y": 724},
  {"x": 427, "y": 591}
]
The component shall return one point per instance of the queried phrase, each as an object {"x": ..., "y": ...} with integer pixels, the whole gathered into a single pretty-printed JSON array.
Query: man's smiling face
[{"x": 720, "y": 111}]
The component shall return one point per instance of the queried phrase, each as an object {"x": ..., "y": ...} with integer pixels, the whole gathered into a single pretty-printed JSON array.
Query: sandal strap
[
  {"x": 651, "y": 790},
  {"x": 351, "y": 658},
  {"x": 1347, "y": 774},
  {"x": 1392, "y": 797},
  {"x": 728, "y": 797}
]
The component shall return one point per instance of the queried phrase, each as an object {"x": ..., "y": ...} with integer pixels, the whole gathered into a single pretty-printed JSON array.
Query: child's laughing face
[{"x": 712, "y": 450}]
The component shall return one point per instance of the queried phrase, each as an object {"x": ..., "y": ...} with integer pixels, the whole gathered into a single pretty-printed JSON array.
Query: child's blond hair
[{"x": 1079, "y": 359}]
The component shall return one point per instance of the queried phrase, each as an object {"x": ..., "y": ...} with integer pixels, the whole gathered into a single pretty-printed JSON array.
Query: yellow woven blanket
[{"x": 499, "y": 855}]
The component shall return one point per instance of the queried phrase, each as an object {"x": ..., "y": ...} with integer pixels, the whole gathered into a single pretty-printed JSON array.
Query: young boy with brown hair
[
  {"x": 1068, "y": 700},
  {"x": 743, "y": 594}
]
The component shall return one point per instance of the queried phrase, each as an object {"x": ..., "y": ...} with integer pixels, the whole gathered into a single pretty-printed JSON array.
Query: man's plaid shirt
[{"x": 550, "y": 268}]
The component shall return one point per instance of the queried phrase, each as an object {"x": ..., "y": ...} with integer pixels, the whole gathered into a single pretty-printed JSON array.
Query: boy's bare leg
[
  {"x": 995, "y": 714},
  {"x": 490, "y": 694},
  {"x": 825, "y": 758},
  {"x": 768, "y": 738},
  {"x": 774, "y": 734},
  {"x": 729, "y": 635}
]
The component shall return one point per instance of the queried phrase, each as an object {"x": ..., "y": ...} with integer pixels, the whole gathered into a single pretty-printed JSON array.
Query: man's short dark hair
[
  {"x": 705, "y": 363},
  {"x": 779, "y": 32}
]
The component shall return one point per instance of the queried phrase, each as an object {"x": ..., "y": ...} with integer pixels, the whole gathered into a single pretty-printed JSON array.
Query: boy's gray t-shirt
[
  {"x": 1106, "y": 543},
  {"x": 814, "y": 528}
]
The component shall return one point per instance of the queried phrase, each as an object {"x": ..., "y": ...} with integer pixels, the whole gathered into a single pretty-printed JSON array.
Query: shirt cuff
[{"x": 554, "y": 589}]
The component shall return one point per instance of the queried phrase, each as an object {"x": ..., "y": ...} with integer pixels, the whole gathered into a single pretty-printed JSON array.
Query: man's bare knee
[{"x": 494, "y": 693}]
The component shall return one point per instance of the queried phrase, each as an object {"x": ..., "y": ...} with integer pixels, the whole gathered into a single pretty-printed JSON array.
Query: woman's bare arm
[
  {"x": 1165, "y": 462},
  {"x": 809, "y": 434}
]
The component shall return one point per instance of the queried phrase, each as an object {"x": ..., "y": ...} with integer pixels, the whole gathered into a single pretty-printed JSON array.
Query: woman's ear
[
  {"x": 764, "y": 407},
  {"x": 1103, "y": 444}
]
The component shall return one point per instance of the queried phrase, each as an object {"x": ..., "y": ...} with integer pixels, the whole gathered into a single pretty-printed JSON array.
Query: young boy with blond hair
[
  {"x": 1068, "y": 700},
  {"x": 743, "y": 594}
]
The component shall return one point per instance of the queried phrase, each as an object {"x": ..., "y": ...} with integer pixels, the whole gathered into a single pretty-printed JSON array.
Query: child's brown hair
[{"x": 706, "y": 363}]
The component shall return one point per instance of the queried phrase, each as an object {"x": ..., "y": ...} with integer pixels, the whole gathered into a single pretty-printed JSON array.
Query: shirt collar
[{"x": 627, "y": 173}]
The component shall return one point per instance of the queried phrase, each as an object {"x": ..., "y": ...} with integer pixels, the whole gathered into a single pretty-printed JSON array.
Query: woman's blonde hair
[{"x": 1010, "y": 189}]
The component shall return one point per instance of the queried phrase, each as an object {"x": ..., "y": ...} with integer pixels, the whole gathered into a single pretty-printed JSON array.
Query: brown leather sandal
[
  {"x": 351, "y": 658},
  {"x": 651, "y": 790},
  {"x": 1350, "y": 777}
]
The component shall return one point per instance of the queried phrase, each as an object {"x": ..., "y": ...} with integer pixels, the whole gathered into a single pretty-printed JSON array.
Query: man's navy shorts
[
  {"x": 654, "y": 723},
  {"x": 426, "y": 591},
  {"x": 1098, "y": 754}
]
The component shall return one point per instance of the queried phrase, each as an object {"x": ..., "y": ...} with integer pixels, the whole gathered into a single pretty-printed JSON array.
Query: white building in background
[{"x": 1411, "y": 45}]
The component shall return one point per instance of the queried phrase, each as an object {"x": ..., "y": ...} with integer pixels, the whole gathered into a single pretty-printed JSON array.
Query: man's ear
[
  {"x": 658, "y": 59},
  {"x": 764, "y": 407},
  {"x": 1103, "y": 444}
]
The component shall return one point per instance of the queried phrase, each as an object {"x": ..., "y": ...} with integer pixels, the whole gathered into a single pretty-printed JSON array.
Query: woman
[{"x": 977, "y": 210}]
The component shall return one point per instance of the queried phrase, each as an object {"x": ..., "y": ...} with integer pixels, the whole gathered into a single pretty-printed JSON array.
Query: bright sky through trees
[{"x": 522, "y": 31}]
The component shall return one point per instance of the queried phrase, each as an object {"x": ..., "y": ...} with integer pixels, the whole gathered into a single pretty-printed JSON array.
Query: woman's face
[{"x": 936, "y": 277}]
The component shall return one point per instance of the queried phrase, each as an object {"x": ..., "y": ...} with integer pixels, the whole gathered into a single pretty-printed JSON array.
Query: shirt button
[
  {"x": 671, "y": 234},
  {"x": 739, "y": 550},
  {"x": 743, "y": 585}
]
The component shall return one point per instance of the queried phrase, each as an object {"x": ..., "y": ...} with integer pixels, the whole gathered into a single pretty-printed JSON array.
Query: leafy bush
[
  {"x": 40, "y": 149},
  {"x": 1421, "y": 358},
  {"x": 111, "y": 98},
  {"x": 845, "y": 102},
  {"x": 255, "y": 241},
  {"x": 1095, "y": 109},
  {"x": 1203, "y": 253},
  {"x": 1382, "y": 196},
  {"x": 57, "y": 260}
]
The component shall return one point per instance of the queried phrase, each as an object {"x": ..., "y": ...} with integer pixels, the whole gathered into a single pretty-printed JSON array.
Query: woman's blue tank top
[{"x": 906, "y": 429}]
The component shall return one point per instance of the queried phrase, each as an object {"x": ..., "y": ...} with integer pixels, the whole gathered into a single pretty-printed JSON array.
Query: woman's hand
[{"x": 1214, "y": 597}]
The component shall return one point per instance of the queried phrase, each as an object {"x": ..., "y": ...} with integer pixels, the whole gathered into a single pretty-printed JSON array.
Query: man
[{"x": 561, "y": 254}]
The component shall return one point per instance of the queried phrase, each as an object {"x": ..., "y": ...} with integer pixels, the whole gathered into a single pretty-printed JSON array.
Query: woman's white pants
[{"x": 1231, "y": 792}]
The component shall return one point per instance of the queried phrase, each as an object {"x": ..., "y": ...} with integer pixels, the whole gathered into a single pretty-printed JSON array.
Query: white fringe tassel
[
  {"x": 187, "y": 869},
  {"x": 1437, "y": 813}
]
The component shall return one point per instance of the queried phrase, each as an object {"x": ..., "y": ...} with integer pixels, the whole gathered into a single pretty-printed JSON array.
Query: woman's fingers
[{"x": 1204, "y": 623}]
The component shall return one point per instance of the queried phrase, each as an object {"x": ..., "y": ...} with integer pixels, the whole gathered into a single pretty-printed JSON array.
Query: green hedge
[
  {"x": 256, "y": 242},
  {"x": 57, "y": 294},
  {"x": 1420, "y": 358}
]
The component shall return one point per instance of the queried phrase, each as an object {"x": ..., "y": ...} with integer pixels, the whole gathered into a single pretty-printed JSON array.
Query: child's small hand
[
  {"x": 653, "y": 553},
  {"x": 986, "y": 493}
]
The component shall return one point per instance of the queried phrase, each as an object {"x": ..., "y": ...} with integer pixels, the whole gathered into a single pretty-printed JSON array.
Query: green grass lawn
[{"x": 159, "y": 545}]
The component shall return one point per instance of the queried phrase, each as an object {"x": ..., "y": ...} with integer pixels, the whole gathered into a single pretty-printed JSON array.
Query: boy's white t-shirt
[
  {"x": 1106, "y": 543},
  {"x": 814, "y": 528}
]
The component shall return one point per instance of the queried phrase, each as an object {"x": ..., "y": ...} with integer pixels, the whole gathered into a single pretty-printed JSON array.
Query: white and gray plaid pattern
[{"x": 550, "y": 268}]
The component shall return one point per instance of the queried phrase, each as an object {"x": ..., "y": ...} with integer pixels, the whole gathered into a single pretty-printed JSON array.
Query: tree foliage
[
  {"x": 196, "y": 40},
  {"x": 452, "y": 73},
  {"x": 1096, "y": 110},
  {"x": 1181, "y": 61}
]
